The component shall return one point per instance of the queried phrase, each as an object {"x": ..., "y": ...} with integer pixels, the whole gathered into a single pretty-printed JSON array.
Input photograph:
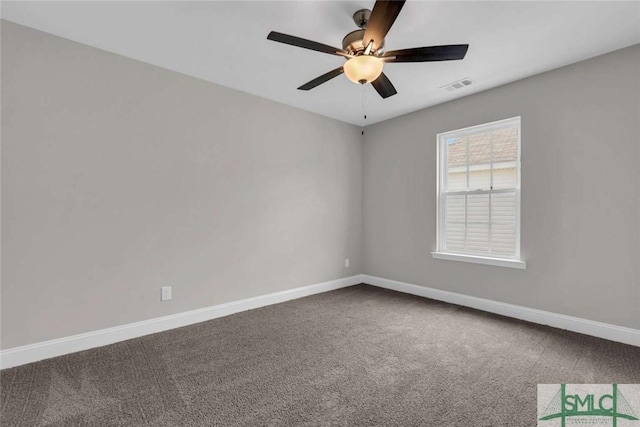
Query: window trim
[
  {"x": 476, "y": 259},
  {"x": 440, "y": 252}
]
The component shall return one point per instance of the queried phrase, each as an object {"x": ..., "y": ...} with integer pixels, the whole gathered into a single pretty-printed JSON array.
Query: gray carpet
[{"x": 357, "y": 356}]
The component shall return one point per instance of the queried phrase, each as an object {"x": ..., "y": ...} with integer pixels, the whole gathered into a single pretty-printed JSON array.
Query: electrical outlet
[
  {"x": 346, "y": 263},
  {"x": 166, "y": 293}
]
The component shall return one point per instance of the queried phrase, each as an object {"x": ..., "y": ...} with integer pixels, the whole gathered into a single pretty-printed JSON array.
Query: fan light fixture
[
  {"x": 363, "y": 69},
  {"x": 364, "y": 49}
]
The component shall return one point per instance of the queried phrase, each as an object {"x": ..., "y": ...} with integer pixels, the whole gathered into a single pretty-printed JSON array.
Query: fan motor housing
[{"x": 353, "y": 43}]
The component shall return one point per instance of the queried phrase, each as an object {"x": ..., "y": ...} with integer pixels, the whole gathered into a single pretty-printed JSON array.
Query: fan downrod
[
  {"x": 361, "y": 18},
  {"x": 353, "y": 42}
]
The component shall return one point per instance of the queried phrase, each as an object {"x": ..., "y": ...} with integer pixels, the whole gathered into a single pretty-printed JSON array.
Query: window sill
[{"x": 498, "y": 262}]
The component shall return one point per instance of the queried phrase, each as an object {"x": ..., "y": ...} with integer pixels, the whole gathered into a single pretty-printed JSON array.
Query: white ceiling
[{"x": 225, "y": 42}]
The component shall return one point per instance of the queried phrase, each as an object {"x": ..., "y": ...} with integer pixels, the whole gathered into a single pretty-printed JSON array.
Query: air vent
[{"x": 458, "y": 84}]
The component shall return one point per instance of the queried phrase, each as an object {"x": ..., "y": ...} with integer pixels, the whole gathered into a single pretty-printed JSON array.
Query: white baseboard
[
  {"x": 44, "y": 350},
  {"x": 561, "y": 321},
  {"x": 58, "y": 347}
]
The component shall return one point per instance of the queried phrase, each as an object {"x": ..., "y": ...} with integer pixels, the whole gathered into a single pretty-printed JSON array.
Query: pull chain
[{"x": 364, "y": 113}]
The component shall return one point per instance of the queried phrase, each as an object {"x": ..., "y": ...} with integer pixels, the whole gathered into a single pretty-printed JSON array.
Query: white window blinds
[{"x": 479, "y": 190}]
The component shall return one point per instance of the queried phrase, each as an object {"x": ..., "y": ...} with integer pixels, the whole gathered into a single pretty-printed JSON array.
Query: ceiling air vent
[{"x": 458, "y": 84}]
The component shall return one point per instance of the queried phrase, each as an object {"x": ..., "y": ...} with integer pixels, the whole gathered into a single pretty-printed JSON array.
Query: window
[{"x": 479, "y": 194}]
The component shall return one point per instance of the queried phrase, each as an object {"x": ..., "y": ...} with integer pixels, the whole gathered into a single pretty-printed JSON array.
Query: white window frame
[{"x": 441, "y": 252}]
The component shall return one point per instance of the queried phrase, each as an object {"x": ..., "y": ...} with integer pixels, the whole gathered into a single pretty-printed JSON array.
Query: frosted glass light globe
[{"x": 363, "y": 69}]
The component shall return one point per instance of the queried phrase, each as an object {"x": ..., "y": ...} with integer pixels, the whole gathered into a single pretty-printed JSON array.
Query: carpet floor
[{"x": 359, "y": 356}]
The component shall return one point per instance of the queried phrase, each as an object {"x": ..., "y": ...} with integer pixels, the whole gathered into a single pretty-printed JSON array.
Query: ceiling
[{"x": 225, "y": 43}]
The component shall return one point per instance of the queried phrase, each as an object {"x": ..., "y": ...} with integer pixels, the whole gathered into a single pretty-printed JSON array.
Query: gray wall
[
  {"x": 580, "y": 192},
  {"x": 119, "y": 177}
]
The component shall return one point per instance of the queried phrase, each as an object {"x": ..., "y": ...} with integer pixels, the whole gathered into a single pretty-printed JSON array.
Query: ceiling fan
[{"x": 364, "y": 49}]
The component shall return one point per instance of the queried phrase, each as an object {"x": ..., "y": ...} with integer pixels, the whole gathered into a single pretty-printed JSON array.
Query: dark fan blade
[
  {"x": 425, "y": 54},
  {"x": 322, "y": 79},
  {"x": 383, "y": 86},
  {"x": 382, "y": 18},
  {"x": 304, "y": 43}
]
